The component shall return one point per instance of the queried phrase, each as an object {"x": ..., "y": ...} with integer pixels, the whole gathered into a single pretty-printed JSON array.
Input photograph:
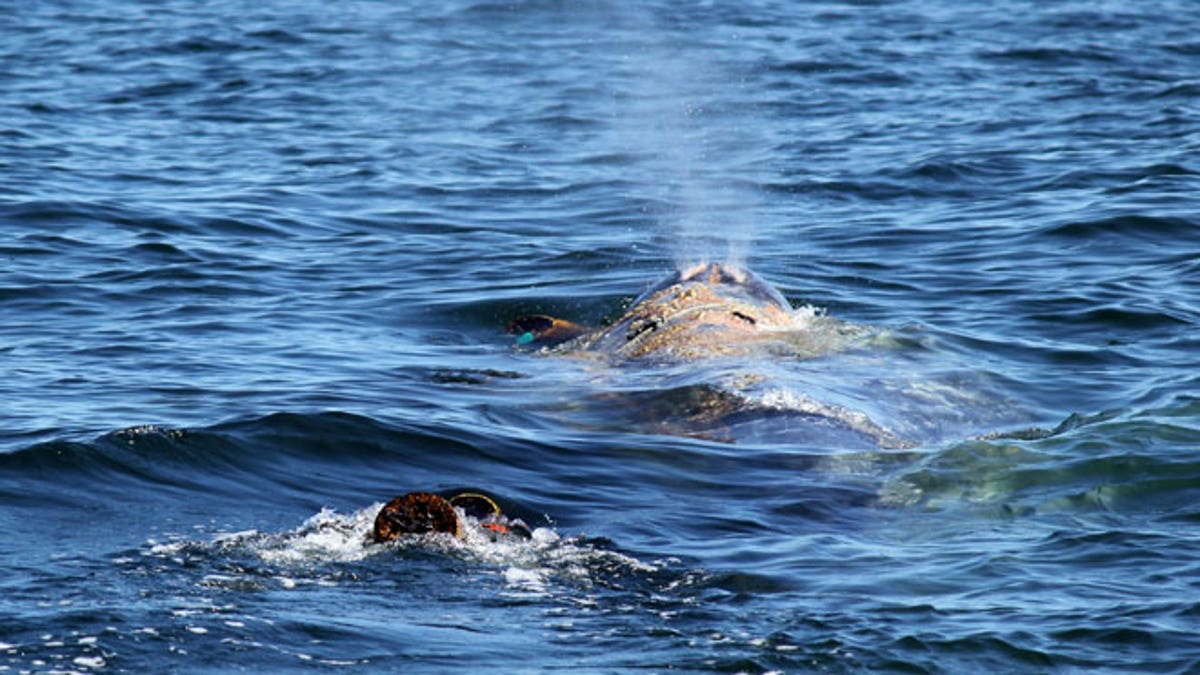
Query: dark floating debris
[{"x": 419, "y": 513}]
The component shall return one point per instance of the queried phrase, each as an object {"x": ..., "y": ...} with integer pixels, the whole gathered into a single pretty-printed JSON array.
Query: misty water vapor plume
[{"x": 683, "y": 116}]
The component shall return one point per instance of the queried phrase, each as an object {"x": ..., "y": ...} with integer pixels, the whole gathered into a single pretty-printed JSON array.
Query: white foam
[
  {"x": 787, "y": 400},
  {"x": 233, "y": 537},
  {"x": 526, "y": 579},
  {"x": 525, "y": 565},
  {"x": 326, "y": 536},
  {"x": 167, "y": 549}
]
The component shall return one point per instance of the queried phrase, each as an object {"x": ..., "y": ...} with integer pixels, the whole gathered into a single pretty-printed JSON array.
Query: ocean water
[{"x": 257, "y": 259}]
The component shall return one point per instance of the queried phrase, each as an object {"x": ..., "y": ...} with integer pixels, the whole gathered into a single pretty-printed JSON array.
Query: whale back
[{"x": 707, "y": 310}]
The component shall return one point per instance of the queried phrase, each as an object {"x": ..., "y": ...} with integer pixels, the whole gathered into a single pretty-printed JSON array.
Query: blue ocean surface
[{"x": 257, "y": 261}]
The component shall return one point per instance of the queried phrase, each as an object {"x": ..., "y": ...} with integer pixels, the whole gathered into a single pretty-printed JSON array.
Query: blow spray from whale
[{"x": 682, "y": 119}]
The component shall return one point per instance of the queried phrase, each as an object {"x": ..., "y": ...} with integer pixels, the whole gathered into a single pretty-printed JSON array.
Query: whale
[
  {"x": 738, "y": 340},
  {"x": 707, "y": 310}
]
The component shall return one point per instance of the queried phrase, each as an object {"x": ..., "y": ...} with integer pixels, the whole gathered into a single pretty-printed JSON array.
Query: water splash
[{"x": 299, "y": 556}]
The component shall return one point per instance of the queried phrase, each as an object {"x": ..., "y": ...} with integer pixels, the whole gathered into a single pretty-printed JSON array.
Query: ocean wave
[{"x": 1098, "y": 464}]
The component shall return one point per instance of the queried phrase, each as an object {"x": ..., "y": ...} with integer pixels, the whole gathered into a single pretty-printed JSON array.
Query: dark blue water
[{"x": 256, "y": 260}]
